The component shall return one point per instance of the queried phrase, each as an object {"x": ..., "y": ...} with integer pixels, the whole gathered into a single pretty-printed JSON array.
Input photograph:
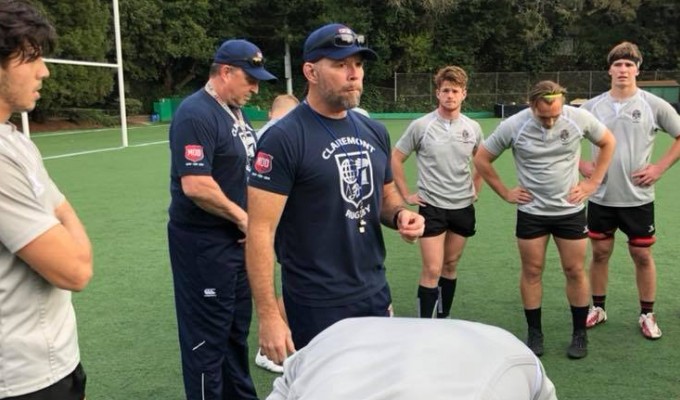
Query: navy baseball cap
[
  {"x": 335, "y": 41},
  {"x": 243, "y": 54}
]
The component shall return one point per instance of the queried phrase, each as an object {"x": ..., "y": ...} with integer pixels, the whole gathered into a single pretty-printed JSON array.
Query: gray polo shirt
[
  {"x": 546, "y": 160},
  {"x": 38, "y": 339},
  {"x": 634, "y": 123},
  {"x": 410, "y": 358},
  {"x": 444, "y": 149}
]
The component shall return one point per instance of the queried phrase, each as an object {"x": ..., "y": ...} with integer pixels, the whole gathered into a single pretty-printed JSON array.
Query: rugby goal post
[{"x": 119, "y": 68}]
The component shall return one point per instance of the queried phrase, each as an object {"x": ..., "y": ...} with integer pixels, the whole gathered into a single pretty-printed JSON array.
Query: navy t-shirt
[
  {"x": 204, "y": 140},
  {"x": 332, "y": 172}
]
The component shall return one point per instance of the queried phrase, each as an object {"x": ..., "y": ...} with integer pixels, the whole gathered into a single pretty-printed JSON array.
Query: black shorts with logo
[
  {"x": 439, "y": 220},
  {"x": 571, "y": 226},
  {"x": 636, "y": 222}
]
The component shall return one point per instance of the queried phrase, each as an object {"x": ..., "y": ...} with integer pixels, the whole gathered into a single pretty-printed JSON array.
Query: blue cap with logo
[
  {"x": 335, "y": 41},
  {"x": 243, "y": 54}
]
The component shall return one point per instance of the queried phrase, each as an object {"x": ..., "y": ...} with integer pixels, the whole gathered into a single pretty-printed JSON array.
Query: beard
[
  {"x": 10, "y": 97},
  {"x": 340, "y": 98}
]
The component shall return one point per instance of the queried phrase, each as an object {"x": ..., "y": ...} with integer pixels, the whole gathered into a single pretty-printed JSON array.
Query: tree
[
  {"x": 165, "y": 43},
  {"x": 168, "y": 45},
  {"x": 651, "y": 24},
  {"x": 83, "y": 27}
]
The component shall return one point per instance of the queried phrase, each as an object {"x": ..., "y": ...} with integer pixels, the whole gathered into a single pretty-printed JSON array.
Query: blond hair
[
  {"x": 455, "y": 75},
  {"x": 282, "y": 104},
  {"x": 546, "y": 92}
]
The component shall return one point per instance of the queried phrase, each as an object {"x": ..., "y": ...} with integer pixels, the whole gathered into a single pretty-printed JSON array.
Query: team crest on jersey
[
  {"x": 564, "y": 135},
  {"x": 636, "y": 114},
  {"x": 465, "y": 134},
  {"x": 193, "y": 152},
  {"x": 247, "y": 136},
  {"x": 356, "y": 176},
  {"x": 263, "y": 163}
]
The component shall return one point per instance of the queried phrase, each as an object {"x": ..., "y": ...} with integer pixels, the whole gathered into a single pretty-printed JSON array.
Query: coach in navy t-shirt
[
  {"x": 322, "y": 185},
  {"x": 315, "y": 230},
  {"x": 212, "y": 145}
]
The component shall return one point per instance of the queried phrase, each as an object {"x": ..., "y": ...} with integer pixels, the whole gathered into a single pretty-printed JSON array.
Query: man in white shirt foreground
[{"x": 408, "y": 358}]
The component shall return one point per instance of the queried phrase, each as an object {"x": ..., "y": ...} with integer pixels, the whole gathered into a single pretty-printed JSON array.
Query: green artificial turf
[{"x": 126, "y": 315}]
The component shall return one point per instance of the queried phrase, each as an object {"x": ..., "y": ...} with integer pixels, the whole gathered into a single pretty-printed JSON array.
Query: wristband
[{"x": 396, "y": 217}]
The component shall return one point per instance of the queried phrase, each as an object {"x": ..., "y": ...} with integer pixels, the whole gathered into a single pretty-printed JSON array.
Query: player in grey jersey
[
  {"x": 407, "y": 358},
  {"x": 45, "y": 252},
  {"x": 546, "y": 145},
  {"x": 444, "y": 141},
  {"x": 626, "y": 198}
]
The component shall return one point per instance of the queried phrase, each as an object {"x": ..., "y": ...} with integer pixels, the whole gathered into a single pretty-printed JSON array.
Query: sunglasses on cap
[
  {"x": 254, "y": 61},
  {"x": 347, "y": 39}
]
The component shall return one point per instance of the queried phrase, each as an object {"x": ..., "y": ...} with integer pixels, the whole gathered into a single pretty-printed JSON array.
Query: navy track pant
[{"x": 214, "y": 310}]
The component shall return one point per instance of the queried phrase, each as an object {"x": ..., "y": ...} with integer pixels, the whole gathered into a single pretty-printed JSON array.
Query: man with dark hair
[
  {"x": 45, "y": 253},
  {"x": 322, "y": 182},
  {"x": 546, "y": 144},
  {"x": 444, "y": 141},
  {"x": 212, "y": 145},
  {"x": 625, "y": 200}
]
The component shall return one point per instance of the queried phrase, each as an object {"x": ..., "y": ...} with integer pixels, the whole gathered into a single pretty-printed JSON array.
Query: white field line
[
  {"x": 65, "y": 133},
  {"x": 80, "y": 153}
]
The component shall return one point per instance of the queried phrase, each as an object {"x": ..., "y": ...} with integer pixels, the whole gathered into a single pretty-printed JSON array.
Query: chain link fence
[{"x": 414, "y": 92}]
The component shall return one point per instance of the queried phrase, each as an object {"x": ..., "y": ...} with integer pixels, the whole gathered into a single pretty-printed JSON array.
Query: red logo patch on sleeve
[
  {"x": 263, "y": 163},
  {"x": 193, "y": 152}
]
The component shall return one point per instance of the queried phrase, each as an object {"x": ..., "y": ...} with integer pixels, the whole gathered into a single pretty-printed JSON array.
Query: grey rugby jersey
[
  {"x": 410, "y": 358},
  {"x": 444, "y": 150},
  {"x": 546, "y": 159},
  {"x": 38, "y": 339},
  {"x": 634, "y": 123}
]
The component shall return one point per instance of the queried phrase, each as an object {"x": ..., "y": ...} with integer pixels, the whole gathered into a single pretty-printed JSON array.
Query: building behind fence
[{"x": 414, "y": 92}]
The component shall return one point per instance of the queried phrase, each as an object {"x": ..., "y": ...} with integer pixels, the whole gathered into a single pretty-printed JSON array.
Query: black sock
[
  {"x": 598, "y": 301},
  {"x": 646, "y": 307},
  {"x": 578, "y": 317},
  {"x": 427, "y": 300},
  {"x": 447, "y": 289},
  {"x": 534, "y": 318}
]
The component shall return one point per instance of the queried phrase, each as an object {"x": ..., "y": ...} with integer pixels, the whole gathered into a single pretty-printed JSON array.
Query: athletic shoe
[
  {"x": 535, "y": 341},
  {"x": 596, "y": 316},
  {"x": 648, "y": 326},
  {"x": 265, "y": 363},
  {"x": 579, "y": 345}
]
